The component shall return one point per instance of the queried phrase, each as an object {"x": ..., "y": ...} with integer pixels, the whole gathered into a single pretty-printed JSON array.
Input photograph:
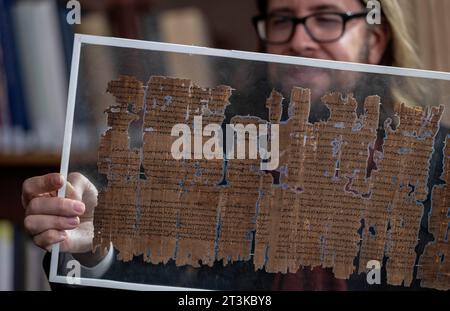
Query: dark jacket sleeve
[
  {"x": 99, "y": 270},
  {"x": 56, "y": 286}
]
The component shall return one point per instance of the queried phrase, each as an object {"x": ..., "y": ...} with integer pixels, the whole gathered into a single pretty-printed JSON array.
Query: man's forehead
[{"x": 307, "y": 6}]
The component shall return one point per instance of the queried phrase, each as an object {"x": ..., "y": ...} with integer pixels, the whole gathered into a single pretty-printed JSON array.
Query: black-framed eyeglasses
[{"x": 323, "y": 27}]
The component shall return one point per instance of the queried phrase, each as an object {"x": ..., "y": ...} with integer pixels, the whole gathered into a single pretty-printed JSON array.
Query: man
[{"x": 325, "y": 29}]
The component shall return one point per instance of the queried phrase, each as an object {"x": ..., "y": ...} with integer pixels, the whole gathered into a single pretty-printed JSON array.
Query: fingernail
[
  {"x": 58, "y": 180},
  {"x": 62, "y": 235},
  {"x": 78, "y": 207},
  {"x": 73, "y": 221}
]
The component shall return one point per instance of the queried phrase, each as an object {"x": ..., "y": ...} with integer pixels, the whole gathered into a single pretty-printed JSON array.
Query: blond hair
[{"x": 401, "y": 51}]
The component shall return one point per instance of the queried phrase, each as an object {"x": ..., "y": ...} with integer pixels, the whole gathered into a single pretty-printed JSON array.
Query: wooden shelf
[
  {"x": 38, "y": 160},
  {"x": 16, "y": 168},
  {"x": 30, "y": 159}
]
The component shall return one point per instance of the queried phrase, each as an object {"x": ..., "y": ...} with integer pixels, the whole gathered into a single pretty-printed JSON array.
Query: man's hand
[{"x": 50, "y": 219}]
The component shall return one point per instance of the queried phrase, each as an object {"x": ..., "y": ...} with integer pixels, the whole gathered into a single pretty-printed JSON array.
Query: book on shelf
[
  {"x": 33, "y": 77},
  {"x": 41, "y": 56},
  {"x": 6, "y": 256},
  {"x": 20, "y": 260}
]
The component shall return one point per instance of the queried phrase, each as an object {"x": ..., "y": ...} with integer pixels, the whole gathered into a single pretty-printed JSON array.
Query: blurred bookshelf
[
  {"x": 33, "y": 86},
  {"x": 35, "y": 56}
]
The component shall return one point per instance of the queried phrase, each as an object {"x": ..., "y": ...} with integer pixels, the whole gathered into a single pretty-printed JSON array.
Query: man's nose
[{"x": 302, "y": 42}]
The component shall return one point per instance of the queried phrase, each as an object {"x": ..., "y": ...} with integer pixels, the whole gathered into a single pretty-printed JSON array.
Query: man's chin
[{"x": 315, "y": 79}]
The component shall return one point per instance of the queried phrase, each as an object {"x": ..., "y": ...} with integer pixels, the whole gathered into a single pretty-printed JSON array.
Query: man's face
[
  {"x": 347, "y": 48},
  {"x": 352, "y": 46}
]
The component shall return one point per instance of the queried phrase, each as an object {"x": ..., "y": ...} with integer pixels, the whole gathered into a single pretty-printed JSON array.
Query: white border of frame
[{"x": 194, "y": 50}]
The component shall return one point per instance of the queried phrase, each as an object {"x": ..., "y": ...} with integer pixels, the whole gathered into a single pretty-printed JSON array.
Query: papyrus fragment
[
  {"x": 340, "y": 191},
  {"x": 434, "y": 268}
]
